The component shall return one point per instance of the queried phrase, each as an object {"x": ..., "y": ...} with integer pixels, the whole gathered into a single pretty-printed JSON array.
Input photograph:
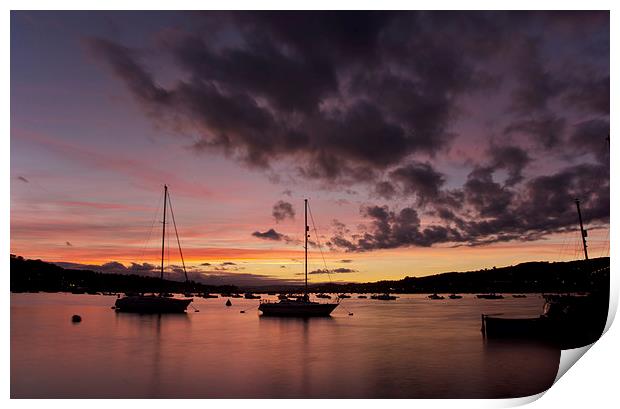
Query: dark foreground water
[{"x": 409, "y": 348}]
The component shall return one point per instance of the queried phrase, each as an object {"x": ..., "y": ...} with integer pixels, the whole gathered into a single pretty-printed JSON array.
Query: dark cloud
[
  {"x": 334, "y": 271},
  {"x": 589, "y": 92},
  {"x": 392, "y": 229},
  {"x": 513, "y": 159},
  {"x": 123, "y": 62},
  {"x": 283, "y": 210},
  {"x": 146, "y": 269},
  {"x": 218, "y": 276},
  {"x": 375, "y": 98},
  {"x": 592, "y": 137},
  {"x": 415, "y": 179},
  {"x": 537, "y": 84},
  {"x": 270, "y": 234},
  {"x": 339, "y": 94},
  {"x": 546, "y": 130},
  {"x": 489, "y": 198},
  {"x": 543, "y": 205},
  {"x": 346, "y": 96}
]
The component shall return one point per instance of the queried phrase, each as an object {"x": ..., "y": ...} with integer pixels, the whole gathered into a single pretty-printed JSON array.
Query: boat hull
[
  {"x": 152, "y": 304},
  {"x": 297, "y": 309}
]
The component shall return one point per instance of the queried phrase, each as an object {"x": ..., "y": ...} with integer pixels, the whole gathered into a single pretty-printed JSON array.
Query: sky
[{"x": 425, "y": 141}]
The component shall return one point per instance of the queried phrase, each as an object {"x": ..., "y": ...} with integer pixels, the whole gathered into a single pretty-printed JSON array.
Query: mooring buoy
[
  {"x": 228, "y": 303},
  {"x": 76, "y": 318}
]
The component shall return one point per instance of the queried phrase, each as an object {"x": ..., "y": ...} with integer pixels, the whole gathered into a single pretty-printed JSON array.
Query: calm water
[{"x": 409, "y": 348}]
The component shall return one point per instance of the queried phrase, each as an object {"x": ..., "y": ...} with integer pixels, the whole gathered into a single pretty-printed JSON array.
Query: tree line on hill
[
  {"x": 532, "y": 277},
  {"x": 37, "y": 275}
]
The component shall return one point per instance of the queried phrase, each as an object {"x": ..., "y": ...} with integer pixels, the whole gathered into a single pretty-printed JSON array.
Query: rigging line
[
  {"x": 174, "y": 223},
  {"x": 150, "y": 231},
  {"x": 316, "y": 234},
  {"x": 168, "y": 252}
]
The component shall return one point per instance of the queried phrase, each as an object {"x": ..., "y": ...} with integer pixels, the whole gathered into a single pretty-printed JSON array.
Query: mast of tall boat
[
  {"x": 306, "y": 230},
  {"x": 584, "y": 233},
  {"x": 163, "y": 234}
]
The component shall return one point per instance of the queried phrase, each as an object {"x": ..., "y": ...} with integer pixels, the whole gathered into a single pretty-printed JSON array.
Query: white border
[{"x": 591, "y": 383}]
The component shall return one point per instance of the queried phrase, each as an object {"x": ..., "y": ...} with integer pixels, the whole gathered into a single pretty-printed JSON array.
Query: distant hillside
[
  {"x": 37, "y": 275},
  {"x": 572, "y": 276}
]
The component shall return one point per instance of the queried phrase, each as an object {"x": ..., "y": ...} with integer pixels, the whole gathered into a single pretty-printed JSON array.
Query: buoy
[
  {"x": 228, "y": 303},
  {"x": 242, "y": 312},
  {"x": 76, "y": 318}
]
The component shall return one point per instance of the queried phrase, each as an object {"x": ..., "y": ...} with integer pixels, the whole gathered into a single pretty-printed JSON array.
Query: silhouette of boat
[
  {"x": 436, "y": 297},
  {"x": 300, "y": 306},
  {"x": 491, "y": 296},
  {"x": 361, "y": 296},
  {"x": 519, "y": 296},
  {"x": 326, "y": 296},
  {"x": 385, "y": 297},
  {"x": 344, "y": 296},
  {"x": 455, "y": 297},
  {"x": 282, "y": 297},
  {"x": 250, "y": 296},
  {"x": 163, "y": 302},
  {"x": 569, "y": 321}
]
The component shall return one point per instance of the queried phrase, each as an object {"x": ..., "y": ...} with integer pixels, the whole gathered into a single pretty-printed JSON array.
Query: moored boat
[
  {"x": 385, "y": 297},
  {"x": 164, "y": 302},
  {"x": 490, "y": 296},
  {"x": 568, "y": 321},
  {"x": 300, "y": 306}
]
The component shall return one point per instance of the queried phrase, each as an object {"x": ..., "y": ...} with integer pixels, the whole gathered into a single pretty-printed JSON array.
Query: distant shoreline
[{"x": 525, "y": 278}]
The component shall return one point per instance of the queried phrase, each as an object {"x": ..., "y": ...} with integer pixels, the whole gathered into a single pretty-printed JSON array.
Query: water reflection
[{"x": 409, "y": 348}]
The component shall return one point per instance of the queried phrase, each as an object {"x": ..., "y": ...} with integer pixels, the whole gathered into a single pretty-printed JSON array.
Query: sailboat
[
  {"x": 567, "y": 320},
  {"x": 162, "y": 302},
  {"x": 300, "y": 306}
]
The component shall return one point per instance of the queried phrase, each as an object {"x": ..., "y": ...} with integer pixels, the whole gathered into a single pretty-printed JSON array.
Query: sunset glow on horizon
[{"x": 411, "y": 168}]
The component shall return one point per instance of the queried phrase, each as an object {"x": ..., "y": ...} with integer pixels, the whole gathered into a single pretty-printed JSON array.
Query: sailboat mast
[
  {"x": 163, "y": 234},
  {"x": 306, "y": 229},
  {"x": 584, "y": 233}
]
